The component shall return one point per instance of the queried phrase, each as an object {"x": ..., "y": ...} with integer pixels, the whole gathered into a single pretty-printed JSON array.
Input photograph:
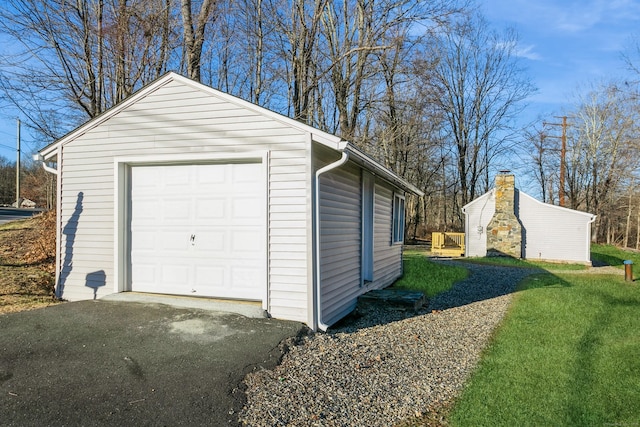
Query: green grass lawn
[
  {"x": 612, "y": 255},
  {"x": 514, "y": 262},
  {"x": 567, "y": 354},
  {"x": 420, "y": 274}
]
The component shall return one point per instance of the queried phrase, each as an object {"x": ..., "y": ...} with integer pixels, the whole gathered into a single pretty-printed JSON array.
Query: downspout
[
  {"x": 54, "y": 171},
  {"x": 591, "y": 221},
  {"x": 318, "y": 317},
  {"x": 466, "y": 231},
  {"x": 49, "y": 168}
]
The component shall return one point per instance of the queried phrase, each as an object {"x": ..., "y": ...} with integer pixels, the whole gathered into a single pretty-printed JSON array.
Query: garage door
[{"x": 199, "y": 230}]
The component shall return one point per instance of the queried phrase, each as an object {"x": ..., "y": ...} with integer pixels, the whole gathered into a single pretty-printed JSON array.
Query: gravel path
[{"x": 386, "y": 365}]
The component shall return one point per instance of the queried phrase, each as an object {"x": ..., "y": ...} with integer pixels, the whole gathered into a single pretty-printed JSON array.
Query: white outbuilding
[
  {"x": 506, "y": 221},
  {"x": 182, "y": 189}
]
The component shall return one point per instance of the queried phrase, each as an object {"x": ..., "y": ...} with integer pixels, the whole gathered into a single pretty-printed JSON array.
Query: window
[{"x": 398, "y": 218}]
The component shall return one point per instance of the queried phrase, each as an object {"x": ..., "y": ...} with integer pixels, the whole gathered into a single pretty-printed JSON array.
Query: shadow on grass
[
  {"x": 585, "y": 407},
  {"x": 483, "y": 282},
  {"x": 486, "y": 281},
  {"x": 602, "y": 255},
  {"x": 601, "y": 260}
]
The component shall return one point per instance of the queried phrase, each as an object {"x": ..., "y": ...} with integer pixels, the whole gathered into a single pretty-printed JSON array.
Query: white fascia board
[
  {"x": 477, "y": 199},
  {"x": 567, "y": 210},
  {"x": 324, "y": 138},
  {"x": 49, "y": 151}
]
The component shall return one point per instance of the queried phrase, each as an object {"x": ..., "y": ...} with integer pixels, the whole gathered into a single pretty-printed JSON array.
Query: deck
[{"x": 447, "y": 244}]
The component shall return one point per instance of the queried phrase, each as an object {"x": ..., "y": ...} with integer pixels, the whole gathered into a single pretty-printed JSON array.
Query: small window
[{"x": 398, "y": 218}]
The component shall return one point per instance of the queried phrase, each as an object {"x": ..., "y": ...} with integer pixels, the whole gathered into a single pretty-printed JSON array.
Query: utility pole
[
  {"x": 563, "y": 157},
  {"x": 18, "y": 165}
]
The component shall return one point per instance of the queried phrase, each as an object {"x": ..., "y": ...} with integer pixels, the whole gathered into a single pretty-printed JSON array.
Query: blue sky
[
  {"x": 564, "y": 45},
  {"x": 567, "y": 45}
]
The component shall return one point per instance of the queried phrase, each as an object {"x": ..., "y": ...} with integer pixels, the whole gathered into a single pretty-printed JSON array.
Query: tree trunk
[{"x": 194, "y": 36}]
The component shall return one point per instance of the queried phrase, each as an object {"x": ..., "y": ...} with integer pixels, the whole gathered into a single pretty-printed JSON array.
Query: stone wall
[{"x": 504, "y": 232}]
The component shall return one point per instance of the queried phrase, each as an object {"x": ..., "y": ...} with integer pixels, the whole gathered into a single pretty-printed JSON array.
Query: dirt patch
[{"x": 27, "y": 263}]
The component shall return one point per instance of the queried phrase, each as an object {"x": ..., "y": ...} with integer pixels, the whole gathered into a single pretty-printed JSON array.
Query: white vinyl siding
[
  {"x": 387, "y": 256},
  {"x": 340, "y": 211},
  {"x": 554, "y": 233},
  {"x": 341, "y": 238},
  {"x": 180, "y": 119},
  {"x": 478, "y": 214},
  {"x": 549, "y": 232}
]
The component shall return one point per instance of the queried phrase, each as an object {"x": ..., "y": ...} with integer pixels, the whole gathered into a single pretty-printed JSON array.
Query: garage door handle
[{"x": 193, "y": 239}]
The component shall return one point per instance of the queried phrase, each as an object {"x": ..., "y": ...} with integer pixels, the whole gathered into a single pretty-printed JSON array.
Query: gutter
[
  {"x": 318, "y": 317},
  {"x": 363, "y": 160},
  {"x": 40, "y": 158}
]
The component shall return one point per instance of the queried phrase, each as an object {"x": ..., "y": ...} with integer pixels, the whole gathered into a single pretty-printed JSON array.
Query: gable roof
[{"x": 331, "y": 141}]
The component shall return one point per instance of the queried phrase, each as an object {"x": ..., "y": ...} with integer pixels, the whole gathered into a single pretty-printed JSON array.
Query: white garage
[
  {"x": 199, "y": 230},
  {"x": 181, "y": 189}
]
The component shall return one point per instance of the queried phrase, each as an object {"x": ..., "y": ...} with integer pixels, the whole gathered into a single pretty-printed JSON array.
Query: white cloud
[
  {"x": 528, "y": 52},
  {"x": 568, "y": 16}
]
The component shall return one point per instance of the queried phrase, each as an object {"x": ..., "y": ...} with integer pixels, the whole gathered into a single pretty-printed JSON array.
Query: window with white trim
[{"x": 398, "y": 218}]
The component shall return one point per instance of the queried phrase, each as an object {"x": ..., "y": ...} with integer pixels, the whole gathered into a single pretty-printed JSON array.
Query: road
[{"x": 12, "y": 214}]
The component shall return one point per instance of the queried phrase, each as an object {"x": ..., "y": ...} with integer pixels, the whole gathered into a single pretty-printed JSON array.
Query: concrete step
[{"x": 400, "y": 298}]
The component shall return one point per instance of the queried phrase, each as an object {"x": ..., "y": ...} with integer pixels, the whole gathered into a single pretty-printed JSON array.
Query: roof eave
[{"x": 374, "y": 166}]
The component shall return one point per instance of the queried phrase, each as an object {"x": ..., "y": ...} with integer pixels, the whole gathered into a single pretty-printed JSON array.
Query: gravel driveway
[{"x": 387, "y": 365}]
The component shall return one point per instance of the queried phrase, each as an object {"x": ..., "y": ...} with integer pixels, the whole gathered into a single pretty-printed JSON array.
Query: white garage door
[{"x": 199, "y": 230}]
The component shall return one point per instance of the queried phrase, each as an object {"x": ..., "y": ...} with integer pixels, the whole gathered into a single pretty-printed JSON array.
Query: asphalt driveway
[
  {"x": 13, "y": 214},
  {"x": 123, "y": 363}
]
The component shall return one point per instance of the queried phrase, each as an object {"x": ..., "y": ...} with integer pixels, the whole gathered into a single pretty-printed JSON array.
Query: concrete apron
[{"x": 252, "y": 309}]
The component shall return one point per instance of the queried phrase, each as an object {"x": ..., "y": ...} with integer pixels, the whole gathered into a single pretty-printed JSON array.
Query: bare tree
[
  {"x": 354, "y": 31},
  {"x": 479, "y": 88},
  {"x": 194, "y": 35},
  {"x": 298, "y": 26},
  {"x": 74, "y": 59},
  {"x": 602, "y": 153}
]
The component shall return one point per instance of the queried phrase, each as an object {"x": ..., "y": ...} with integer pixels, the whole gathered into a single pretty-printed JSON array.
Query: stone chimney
[{"x": 504, "y": 232}]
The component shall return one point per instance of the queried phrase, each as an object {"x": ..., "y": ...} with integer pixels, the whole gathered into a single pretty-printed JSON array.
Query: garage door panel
[
  {"x": 145, "y": 240},
  {"x": 222, "y": 206},
  {"x": 173, "y": 242},
  {"x": 247, "y": 277},
  {"x": 144, "y": 273},
  {"x": 212, "y": 208},
  {"x": 246, "y": 242},
  {"x": 146, "y": 178},
  {"x": 175, "y": 274},
  {"x": 176, "y": 177},
  {"x": 246, "y": 173},
  {"x": 217, "y": 175},
  {"x": 147, "y": 210},
  {"x": 211, "y": 243},
  {"x": 176, "y": 210},
  {"x": 246, "y": 208}
]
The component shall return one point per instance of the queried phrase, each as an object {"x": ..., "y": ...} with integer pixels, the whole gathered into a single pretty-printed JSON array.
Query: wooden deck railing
[{"x": 447, "y": 244}]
